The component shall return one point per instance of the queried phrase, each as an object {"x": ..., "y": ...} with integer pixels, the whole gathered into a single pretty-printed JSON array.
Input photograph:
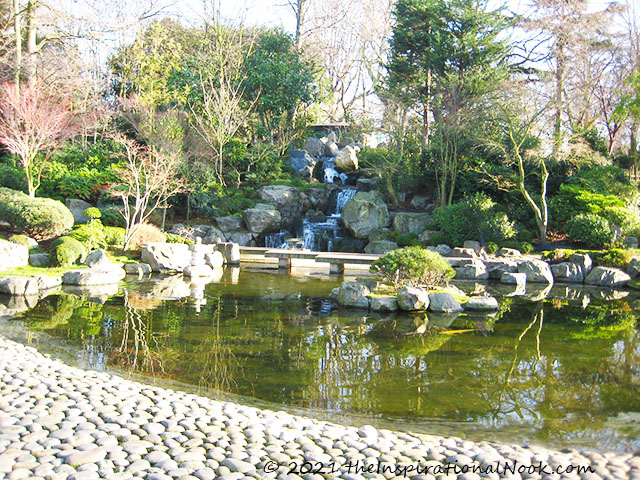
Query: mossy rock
[{"x": 66, "y": 251}]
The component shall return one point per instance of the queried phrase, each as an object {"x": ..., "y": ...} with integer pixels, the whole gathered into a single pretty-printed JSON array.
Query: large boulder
[
  {"x": 633, "y": 269},
  {"x": 214, "y": 259},
  {"x": 263, "y": 218},
  {"x": 229, "y": 223},
  {"x": 383, "y": 304},
  {"x": 97, "y": 259},
  {"x": 39, "y": 259},
  {"x": 353, "y": 295},
  {"x": 138, "y": 269},
  {"x": 444, "y": 303},
  {"x": 290, "y": 202},
  {"x": 481, "y": 304},
  {"x": 45, "y": 282},
  {"x": 501, "y": 265},
  {"x": 607, "y": 277},
  {"x": 166, "y": 257},
  {"x": 331, "y": 149},
  {"x": 241, "y": 237},
  {"x": 380, "y": 247},
  {"x": 537, "y": 271},
  {"x": 231, "y": 252},
  {"x": 413, "y": 298},
  {"x": 583, "y": 260},
  {"x": 347, "y": 159},
  {"x": 20, "y": 286},
  {"x": 13, "y": 255},
  {"x": 93, "y": 276},
  {"x": 410, "y": 222},
  {"x": 420, "y": 202},
  {"x": 314, "y": 146},
  {"x": 511, "y": 278},
  {"x": 214, "y": 236},
  {"x": 77, "y": 208},
  {"x": 567, "y": 272},
  {"x": 364, "y": 213},
  {"x": 302, "y": 163},
  {"x": 475, "y": 270},
  {"x": 319, "y": 198}
]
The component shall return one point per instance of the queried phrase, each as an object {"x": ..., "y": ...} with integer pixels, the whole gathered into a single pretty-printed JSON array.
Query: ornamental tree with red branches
[{"x": 34, "y": 119}]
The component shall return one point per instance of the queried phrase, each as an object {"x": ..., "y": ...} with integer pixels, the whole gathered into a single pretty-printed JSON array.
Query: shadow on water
[{"x": 554, "y": 366}]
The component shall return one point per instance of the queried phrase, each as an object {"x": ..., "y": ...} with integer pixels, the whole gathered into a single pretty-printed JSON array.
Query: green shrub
[
  {"x": 526, "y": 247},
  {"x": 625, "y": 218},
  {"x": 91, "y": 235},
  {"x": 573, "y": 200},
  {"x": 112, "y": 217},
  {"x": 491, "y": 247},
  {"x": 20, "y": 240},
  {"x": 13, "y": 177},
  {"x": 614, "y": 257},
  {"x": 413, "y": 266},
  {"x": 525, "y": 235},
  {"x": 175, "y": 238},
  {"x": 557, "y": 255},
  {"x": 93, "y": 213},
  {"x": 589, "y": 229},
  {"x": 40, "y": 218},
  {"x": 474, "y": 218},
  {"x": 438, "y": 238},
  {"x": 408, "y": 239},
  {"x": 114, "y": 236},
  {"x": 65, "y": 251}
]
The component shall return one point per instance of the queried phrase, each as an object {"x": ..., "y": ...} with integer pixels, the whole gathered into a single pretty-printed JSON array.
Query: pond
[{"x": 560, "y": 372}]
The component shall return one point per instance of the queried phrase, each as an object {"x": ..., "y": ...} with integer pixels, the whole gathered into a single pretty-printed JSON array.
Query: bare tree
[
  {"x": 148, "y": 179},
  {"x": 33, "y": 121}
]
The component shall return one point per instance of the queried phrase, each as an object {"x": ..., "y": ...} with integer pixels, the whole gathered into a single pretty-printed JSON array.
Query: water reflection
[{"x": 563, "y": 370}]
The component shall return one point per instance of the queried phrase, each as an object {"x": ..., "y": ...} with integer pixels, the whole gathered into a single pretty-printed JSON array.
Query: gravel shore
[{"x": 59, "y": 422}]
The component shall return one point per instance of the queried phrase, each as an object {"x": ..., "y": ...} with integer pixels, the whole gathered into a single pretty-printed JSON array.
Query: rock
[
  {"x": 166, "y": 257},
  {"x": 631, "y": 242},
  {"x": 348, "y": 244},
  {"x": 347, "y": 159},
  {"x": 633, "y": 269},
  {"x": 473, "y": 245},
  {"x": 444, "y": 250},
  {"x": 567, "y": 272},
  {"x": 353, "y": 295},
  {"x": 364, "y": 213},
  {"x": 230, "y": 252},
  {"x": 13, "y": 255},
  {"x": 214, "y": 235},
  {"x": 82, "y": 457},
  {"x": 93, "y": 276},
  {"x": 241, "y": 237},
  {"x": 45, "y": 282},
  {"x": 314, "y": 146},
  {"x": 420, "y": 202},
  {"x": 97, "y": 259},
  {"x": 537, "y": 271},
  {"x": 319, "y": 198},
  {"x": 138, "y": 269},
  {"x": 20, "y": 286},
  {"x": 39, "y": 259},
  {"x": 583, "y": 260},
  {"x": 331, "y": 149},
  {"x": 509, "y": 252},
  {"x": 380, "y": 247},
  {"x": 367, "y": 184},
  {"x": 443, "y": 303},
  {"x": 511, "y": 278},
  {"x": 463, "y": 253},
  {"x": 383, "y": 304},
  {"x": 607, "y": 277},
  {"x": 482, "y": 304},
  {"x": 229, "y": 223},
  {"x": 214, "y": 260},
  {"x": 409, "y": 222},
  {"x": 498, "y": 266},
  {"x": 302, "y": 163},
  {"x": 169, "y": 288},
  {"x": 290, "y": 202},
  {"x": 77, "y": 208},
  {"x": 413, "y": 298},
  {"x": 31, "y": 242},
  {"x": 476, "y": 270},
  {"x": 263, "y": 218},
  {"x": 381, "y": 234}
]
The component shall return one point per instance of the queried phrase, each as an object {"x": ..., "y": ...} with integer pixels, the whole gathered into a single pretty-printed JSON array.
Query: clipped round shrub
[
  {"x": 40, "y": 218},
  {"x": 114, "y": 236},
  {"x": 526, "y": 247},
  {"x": 91, "y": 235},
  {"x": 589, "y": 229},
  {"x": 525, "y": 235},
  {"x": 93, "y": 213},
  {"x": 66, "y": 251},
  {"x": 413, "y": 266},
  {"x": 147, "y": 233},
  {"x": 491, "y": 247}
]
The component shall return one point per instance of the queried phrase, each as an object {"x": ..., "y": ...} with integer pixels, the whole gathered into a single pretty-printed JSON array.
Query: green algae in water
[{"x": 559, "y": 372}]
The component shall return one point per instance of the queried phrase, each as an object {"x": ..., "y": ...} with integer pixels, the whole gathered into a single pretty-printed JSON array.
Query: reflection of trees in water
[{"x": 139, "y": 348}]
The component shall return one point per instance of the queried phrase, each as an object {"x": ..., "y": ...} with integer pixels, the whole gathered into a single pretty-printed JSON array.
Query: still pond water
[{"x": 560, "y": 372}]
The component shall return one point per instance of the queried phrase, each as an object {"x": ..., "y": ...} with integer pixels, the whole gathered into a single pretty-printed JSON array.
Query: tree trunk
[
  {"x": 18, "y": 34},
  {"x": 32, "y": 40}
]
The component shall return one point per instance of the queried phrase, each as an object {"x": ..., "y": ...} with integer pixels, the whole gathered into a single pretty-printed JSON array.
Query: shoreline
[{"x": 58, "y": 421}]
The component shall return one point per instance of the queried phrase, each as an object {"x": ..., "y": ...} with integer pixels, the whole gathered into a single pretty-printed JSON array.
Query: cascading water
[
  {"x": 330, "y": 172},
  {"x": 276, "y": 240},
  {"x": 315, "y": 233}
]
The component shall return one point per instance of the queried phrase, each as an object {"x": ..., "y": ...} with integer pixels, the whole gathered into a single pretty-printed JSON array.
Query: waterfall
[
  {"x": 330, "y": 172},
  {"x": 276, "y": 240},
  {"x": 315, "y": 233},
  {"x": 343, "y": 197}
]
